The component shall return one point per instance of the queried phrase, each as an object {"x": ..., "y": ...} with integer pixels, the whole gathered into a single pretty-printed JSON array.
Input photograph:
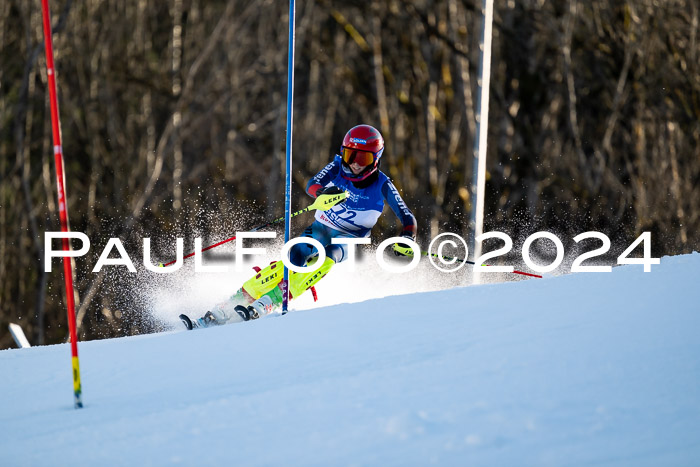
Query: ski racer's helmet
[{"x": 362, "y": 144}]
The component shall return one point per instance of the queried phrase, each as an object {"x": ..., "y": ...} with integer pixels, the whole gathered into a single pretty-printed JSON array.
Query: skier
[{"x": 354, "y": 171}]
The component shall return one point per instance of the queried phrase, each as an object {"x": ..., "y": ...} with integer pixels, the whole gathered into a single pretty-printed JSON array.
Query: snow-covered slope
[{"x": 584, "y": 369}]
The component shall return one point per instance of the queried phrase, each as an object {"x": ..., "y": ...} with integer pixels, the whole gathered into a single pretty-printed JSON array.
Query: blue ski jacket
[{"x": 363, "y": 206}]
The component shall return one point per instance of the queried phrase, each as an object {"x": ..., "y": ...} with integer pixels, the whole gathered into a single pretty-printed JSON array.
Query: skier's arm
[
  {"x": 397, "y": 204},
  {"x": 323, "y": 178}
]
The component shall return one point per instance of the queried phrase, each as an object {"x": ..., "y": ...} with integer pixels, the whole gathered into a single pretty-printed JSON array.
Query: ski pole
[
  {"x": 406, "y": 251},
  {"x": 322, "y": 203}
]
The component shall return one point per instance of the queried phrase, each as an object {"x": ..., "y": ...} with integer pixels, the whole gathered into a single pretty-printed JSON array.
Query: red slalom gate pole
[
  {"x": 62, "y": 201},
  {"x": 407, "y": 251}
]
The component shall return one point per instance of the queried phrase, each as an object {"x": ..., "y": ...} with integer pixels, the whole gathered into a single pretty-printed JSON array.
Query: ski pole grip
[{"x": 325, "y": 202}]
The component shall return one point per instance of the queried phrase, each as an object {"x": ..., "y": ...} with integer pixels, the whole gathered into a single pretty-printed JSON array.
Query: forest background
[{"x": 173, "y": 123}]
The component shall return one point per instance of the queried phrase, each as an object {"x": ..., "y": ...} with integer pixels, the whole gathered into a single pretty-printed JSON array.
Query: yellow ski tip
[{"x": 405, "y": 251}]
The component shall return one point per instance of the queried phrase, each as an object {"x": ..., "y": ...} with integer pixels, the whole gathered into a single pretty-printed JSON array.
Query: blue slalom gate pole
[{"x": 288, "y": 181}]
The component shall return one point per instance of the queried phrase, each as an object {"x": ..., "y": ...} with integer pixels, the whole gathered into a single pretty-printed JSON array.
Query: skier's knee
[
  {"x": 336, "y": 252},
  {"x": 299, "y": 253}
]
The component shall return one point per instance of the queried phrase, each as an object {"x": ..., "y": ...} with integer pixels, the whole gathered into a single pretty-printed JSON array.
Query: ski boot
[
  {"x": 260, "y": 307},
  {"x": 208, "y": 320},
  {"x": 205, "y": 321}
]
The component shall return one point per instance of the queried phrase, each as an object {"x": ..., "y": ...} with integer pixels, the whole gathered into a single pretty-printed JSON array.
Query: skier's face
[{"x": 356, "y": 168}]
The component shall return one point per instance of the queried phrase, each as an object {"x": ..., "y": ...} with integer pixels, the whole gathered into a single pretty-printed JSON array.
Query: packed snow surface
[{"x": 580, "y": 369}]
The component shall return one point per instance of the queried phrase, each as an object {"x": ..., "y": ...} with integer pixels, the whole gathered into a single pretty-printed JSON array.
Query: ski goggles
[{"x": 358, "y": 156}]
